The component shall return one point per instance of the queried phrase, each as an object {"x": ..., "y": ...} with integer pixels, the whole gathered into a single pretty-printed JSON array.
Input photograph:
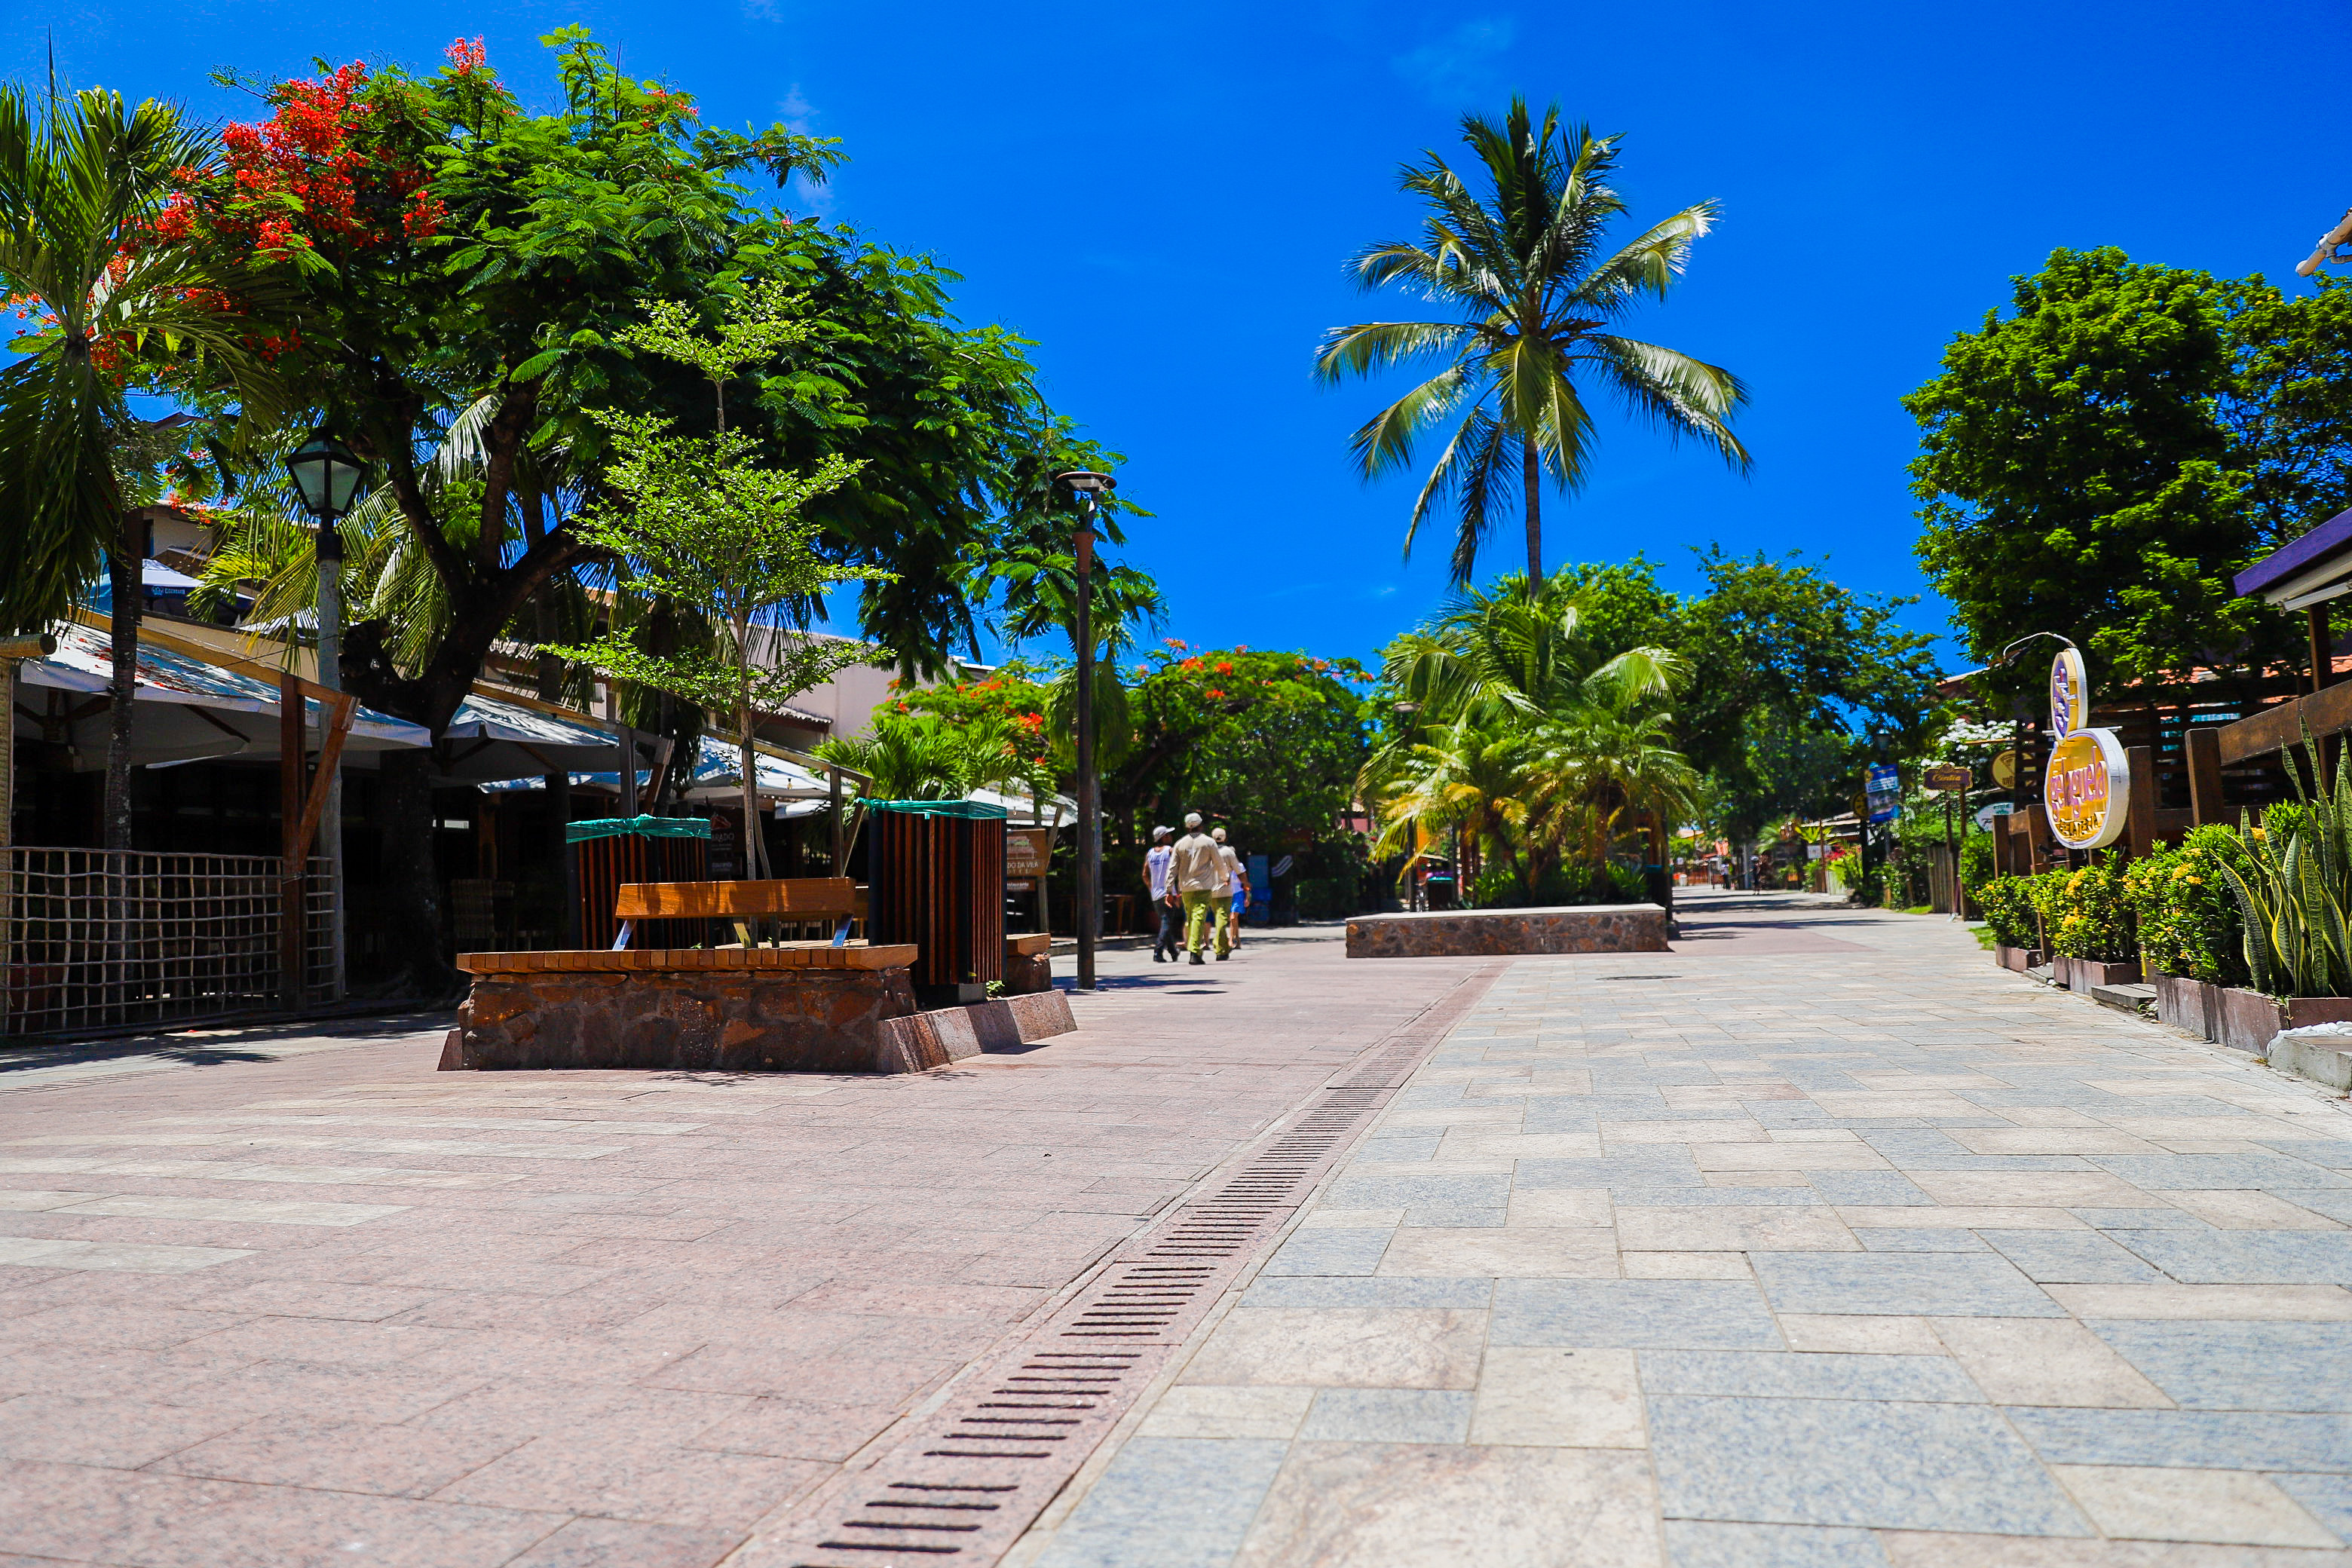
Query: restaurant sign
[{"x": 2086, "y": 784}]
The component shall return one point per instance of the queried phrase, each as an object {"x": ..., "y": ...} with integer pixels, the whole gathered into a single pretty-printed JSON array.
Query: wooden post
[
  {"x": 290, "y": 780},
  {"x": 2203, "y": 743},
  {"x": 2323, "y": 647},
  {"x": 2141, "y": 834},
  {"x": 840, "y": 834}
]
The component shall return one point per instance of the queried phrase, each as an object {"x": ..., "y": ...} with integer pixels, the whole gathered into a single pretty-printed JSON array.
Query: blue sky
[{"x": 1163, "y": 197}]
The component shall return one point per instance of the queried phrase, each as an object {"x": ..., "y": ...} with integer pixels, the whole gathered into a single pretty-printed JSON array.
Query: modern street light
[
  {"x": 327, "y": 476},
  {"x": 1086, "y": 486}
]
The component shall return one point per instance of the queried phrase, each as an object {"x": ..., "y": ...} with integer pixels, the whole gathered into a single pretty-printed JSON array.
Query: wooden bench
[
  {"x": 791, "y": 898},
  {"x": 805, "y": 1007}
]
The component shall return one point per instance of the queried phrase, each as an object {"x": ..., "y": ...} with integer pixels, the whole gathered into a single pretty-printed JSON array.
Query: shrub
[
  {"x": 1496, "y": 889},
  {"x": 2087, "y": 915},
  {"x": 2008, "y": 909},
  {"x": 2186, "y": 913}
]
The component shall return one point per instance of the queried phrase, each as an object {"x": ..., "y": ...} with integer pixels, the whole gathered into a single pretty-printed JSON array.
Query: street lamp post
[
  {"x": 327, "y": 476},
  {"x": 1087, "y": 485}
]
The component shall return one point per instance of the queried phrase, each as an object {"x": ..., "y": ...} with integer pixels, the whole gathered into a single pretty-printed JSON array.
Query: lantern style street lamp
[
  {"x": 327, "y": 475},
  {"x": 1086, "y": 486}
]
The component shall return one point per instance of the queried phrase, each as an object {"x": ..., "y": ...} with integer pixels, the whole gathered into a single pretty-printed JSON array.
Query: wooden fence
[{"x": 99, "y": 940}]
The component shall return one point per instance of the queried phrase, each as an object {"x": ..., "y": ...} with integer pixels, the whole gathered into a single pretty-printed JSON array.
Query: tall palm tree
[
  {"x": 117, "y": 310},
  {"x": 1523, "y": 270}
]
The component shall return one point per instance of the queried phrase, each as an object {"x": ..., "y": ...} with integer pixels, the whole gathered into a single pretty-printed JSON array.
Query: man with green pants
[{"x": 1198, "y": 872}]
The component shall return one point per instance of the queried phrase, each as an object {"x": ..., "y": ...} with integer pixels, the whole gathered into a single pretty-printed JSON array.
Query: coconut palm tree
[
  {"x": 1533, "y": 294},
  {"x": 116, "y": 310}
]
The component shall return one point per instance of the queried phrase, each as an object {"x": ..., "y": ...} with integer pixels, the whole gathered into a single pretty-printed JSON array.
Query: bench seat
[{"x": 681, "y": 960}]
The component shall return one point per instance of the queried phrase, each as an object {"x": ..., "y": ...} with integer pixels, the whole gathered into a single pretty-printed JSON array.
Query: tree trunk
[
  {"x": 1531, "y": 481},
  {"x": 412, "y": 882},
  {"x": 752, "y": 846},
  {"x": 122, "y": 573}
]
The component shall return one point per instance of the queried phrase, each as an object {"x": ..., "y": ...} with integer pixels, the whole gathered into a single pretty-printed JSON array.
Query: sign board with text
[
  {"x": 2086, "y": 784},
  {"x": 1945, "y": 777},
  {"x": 1027, "y": 851}
]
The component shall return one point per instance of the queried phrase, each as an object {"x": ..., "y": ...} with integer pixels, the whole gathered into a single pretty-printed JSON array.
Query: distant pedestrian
[
  {"x": 1237, "y": 885},
  {"x": 1199, "y": 872},
  {"x": 1159, "y": 876}
]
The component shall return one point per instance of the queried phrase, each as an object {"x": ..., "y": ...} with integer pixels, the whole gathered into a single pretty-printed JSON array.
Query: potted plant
[
  {"x": 2007, "y": 907},
  {"x": 2293, "y": 881},
  {"x": 2192, "y": 941},
  {"x": 2089, "y": 925}
]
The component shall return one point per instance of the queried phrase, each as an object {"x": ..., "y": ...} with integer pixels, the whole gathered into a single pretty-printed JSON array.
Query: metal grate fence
[{"x": 98, "y": 939}]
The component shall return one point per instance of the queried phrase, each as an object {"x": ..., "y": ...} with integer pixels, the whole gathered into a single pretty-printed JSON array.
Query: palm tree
[
  {"x": 1524, "y": 271},
  {"x": 921, "y": 757},
  {"x": 117, "y": 310}
]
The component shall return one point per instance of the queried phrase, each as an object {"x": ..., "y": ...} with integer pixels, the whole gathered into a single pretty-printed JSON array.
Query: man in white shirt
[
  {"x": 1158, "y": 877},
  {"x": 1234, "y": 897},
  {"x": 1199, "y": 873}
]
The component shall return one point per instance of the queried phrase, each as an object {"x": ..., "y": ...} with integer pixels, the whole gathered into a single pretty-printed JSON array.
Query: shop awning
[{"x": 183, "y": 709}]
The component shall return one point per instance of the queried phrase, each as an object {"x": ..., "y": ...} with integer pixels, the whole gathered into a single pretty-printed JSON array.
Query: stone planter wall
[
  {"x": 2248, "y": 1021},
  {"x": 934, "y": 1039},
  {"x": 771, "y": 1020},
  {"x": 2083, "y": 975},
  {"x": 2020, "y": 959},
  {"x": 2185, "y": 1004},
  {"x": 2321, "y": 1060},
  {"x": 1488, "y": 934}
]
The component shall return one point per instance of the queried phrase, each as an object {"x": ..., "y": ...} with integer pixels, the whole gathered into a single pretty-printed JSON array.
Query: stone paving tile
[{"x": 1922, "y": 1265}]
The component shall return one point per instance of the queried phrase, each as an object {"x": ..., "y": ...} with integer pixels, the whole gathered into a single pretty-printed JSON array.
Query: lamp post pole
[
  {"x": 327, "y": 476},
  {"x": 1087, "y": 917}
]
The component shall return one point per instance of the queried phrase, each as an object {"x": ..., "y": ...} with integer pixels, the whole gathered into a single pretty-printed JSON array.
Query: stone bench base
[
  {"x": 1492, "y": 933},
  {"x": 947, "y": 1034},
  {"x": 719, "y": 1020}
]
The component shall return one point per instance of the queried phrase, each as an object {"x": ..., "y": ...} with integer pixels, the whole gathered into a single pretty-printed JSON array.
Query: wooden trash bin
[
  {"x": 608, "y": 851},
  {"x": 936, "y": 880}
]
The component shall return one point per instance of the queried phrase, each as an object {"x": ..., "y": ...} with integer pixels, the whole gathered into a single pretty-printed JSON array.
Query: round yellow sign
[{"x": 2087, "y": 790}]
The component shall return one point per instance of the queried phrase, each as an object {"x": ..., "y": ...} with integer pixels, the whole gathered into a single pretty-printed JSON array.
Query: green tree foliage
[
  {"x": 2100, "y": 461},
  {"x": 921, "y": 756},
  {"x": 700, "y": 522},
  {"x": 1795, "y": 682},
  {"x": 1525, "y": 267},
  {"x": 113, "y": 311}
]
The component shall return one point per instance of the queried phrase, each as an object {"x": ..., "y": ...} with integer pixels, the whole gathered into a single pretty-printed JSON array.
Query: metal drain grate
[{"x": 963, "y": 1488}]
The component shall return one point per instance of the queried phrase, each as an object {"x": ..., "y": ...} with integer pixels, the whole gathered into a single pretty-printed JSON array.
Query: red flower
[
  {"x": 1216, "y": 693},
  {"x": 1224, "y": 667},
  {"x": 466, "y": 58}
]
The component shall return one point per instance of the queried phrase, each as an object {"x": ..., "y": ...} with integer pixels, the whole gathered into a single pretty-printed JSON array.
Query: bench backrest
[{"x": 793, "y": 898}]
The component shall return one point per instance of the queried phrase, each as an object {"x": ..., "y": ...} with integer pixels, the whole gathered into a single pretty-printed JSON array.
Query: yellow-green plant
[
  {"x": 2092, "y": 919},
  {"x": 2294, "y": 887}
]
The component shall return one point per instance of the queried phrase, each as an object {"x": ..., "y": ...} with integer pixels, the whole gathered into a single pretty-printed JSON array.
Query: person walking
[
  {"x": 1158, "y": 876},
  {"x": 1236, "y": 889},
  {"x": 1199, "y": 872}
]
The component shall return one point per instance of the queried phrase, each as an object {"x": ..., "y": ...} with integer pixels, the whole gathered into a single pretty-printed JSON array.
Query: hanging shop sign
[
  {"x": 1944, "y": 778},
  {"x": 2086, "y": 784},
  {"x": 1992, "y": 813},
  {"x": 1882, "y": 793},
  {"x": 2005, "y": 770}
]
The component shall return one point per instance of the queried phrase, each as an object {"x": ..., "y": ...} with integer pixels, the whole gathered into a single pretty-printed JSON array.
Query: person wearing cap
[
  {"x": 1199, "y": 872},
  {"x": 1235, "y": 892},
  {"x": 1159, "y": 879}
]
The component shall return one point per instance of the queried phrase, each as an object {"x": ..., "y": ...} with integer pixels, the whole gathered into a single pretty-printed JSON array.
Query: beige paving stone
[
  {"x": 1346, "y": 1347},
  {"x": 2049, "y": 1140},
  {"x": 1503, "y": 1118},
  {"x": 2205, "y": 1127},
  {"x": 2283, "y": 1303},
  {"x": 2048, "y": 1116},
  {"x": 1558, "y": 1399},
  {"x": 2248, "y": 1210},
  {"x": 1896, "y": 1217},
  {"x": 1898, "y": 1102},
  {"x": 1930, "y": 1549},
  {"x": 1686, "y": 1266},
  {"x": 1754, "y": 1179},
  {"x": 1351, "y": 1505},
  {"x": 1899, "y": 1082},
  {"x": 1510, "y": 1252},
  {"x": 28, "y": 1200},
  {"x": 1815, "y": 1135},
  {"x": 2228, "y": 1508},
  {"x": 1561, "y": 1207},
  {"x": 1472, "y": 1144},
  {"x": 1733, "y": 1229},
  {"x": 2062, "y": 1189},
  {"x": 1683, "y": 1132},
  {"x": 1352, "y": 1219},
  {"x": 1725, "y": 1097},
  {"x": 2046, "y": 1360},
  {"x": 1202, "y": 1410},
  {"x": 1863, "y": 1335},
  {"x": 1788, "y": 1157}
]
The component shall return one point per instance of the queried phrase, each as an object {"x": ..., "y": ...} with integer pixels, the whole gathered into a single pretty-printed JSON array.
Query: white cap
[
  {"x": 1218, "y": 834},
  {"x": 1191, "y": 819}
]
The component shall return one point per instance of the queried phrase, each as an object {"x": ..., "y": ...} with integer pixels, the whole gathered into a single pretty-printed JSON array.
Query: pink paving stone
[
  {"x": 691, "y": 1331},
  {"x": 623, "y": 1543},
  {"x": 344, "y": 1456},
  {"x": 118, "y": 1434},
  {"x": 614, "y": 1475}
]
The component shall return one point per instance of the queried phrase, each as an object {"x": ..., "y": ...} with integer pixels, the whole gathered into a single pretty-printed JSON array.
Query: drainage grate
[{"x": 963, "y": 1487}]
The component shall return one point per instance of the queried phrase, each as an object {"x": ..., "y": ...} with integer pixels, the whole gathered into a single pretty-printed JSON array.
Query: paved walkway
[
  {"x": 1820, "y": 1243},
  {"x": 1817, "y": 1243},
  {"x": 283, "y": 1300}
]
